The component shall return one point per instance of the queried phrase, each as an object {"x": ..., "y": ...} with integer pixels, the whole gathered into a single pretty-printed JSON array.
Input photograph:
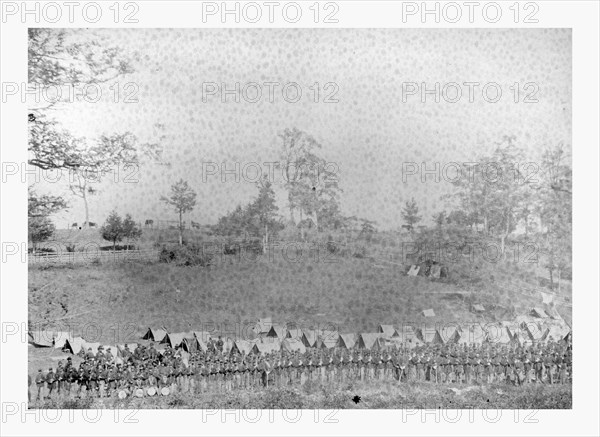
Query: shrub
[
  {"x": 190, "y": 255},
  {"x": 359, "y": 252}
]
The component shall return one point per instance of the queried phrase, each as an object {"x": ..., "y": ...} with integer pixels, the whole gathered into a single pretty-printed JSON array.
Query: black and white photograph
[{"x": 317, "y": 218}]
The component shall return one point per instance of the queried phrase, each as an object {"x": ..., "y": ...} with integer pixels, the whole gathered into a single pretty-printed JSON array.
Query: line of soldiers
[{"x": 145, "y": 371}]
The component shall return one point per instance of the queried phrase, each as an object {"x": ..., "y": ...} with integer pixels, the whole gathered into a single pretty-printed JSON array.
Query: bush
[
  {"x": 190, "y": 255},
  {"x": 359, "y": 252}
]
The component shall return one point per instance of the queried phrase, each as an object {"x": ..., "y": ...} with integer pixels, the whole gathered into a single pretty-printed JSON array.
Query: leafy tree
[
  {"x": 112, "y": 230},
  {"x": 555, "y": 209},
  {"x": 495, "y": 193},
  {"x": 410, "y": 214},
  {"x": 440, "y": 219},
  {"x": 183, "y": 199},
  {"x": 265, "y": 209},
  {"x": 62, "y": 57},
  {"x": 43, "y": 206},
  {"x": 39, "y": 208},
  {"x": 40, "y": 229},
  {"x": 259, "y": 217},
  {"x": 105, "y": 155},
  {"x": 56, "y": 59},
  {"x": 311, "y": 182},
  {"x": 367, "y": 229},
  {"x": 131, "y": 229}
]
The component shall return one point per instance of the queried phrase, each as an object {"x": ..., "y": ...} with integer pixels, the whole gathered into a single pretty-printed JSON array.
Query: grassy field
[
  {"x": 116, "y": 302},
  {"x": 123, "y": 299},
  {"x": 374, "y": 395}
]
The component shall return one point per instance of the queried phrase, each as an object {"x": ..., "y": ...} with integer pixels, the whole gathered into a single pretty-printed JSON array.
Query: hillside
[{"x": 124, "y": 299}]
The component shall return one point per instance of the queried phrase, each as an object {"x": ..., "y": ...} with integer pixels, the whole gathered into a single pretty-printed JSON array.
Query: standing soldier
[
  {"x": 528, "y": 370},
  {"x": 443, "y": 368},
  {"x": 550, "y": 367},
  {"x": 60, "y": 377},
  {"x": 102, "y": 378},
  {"x": 112, "y": 379},
  {"x": 538, "y": 369},
  {"x": 40, "y": 380},
  {"x": 219, "y": 345},
  {"x": 519, "y": 370},
  {"x": 51, "y": 381}
]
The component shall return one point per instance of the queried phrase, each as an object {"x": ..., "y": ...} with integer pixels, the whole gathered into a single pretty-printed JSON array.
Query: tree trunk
[
  {"x": 115, "y": 245},
  {"x": 180, "y": 228},
  {"x": 87, "y": 209},
  {"x": 558, "y": 278},
  {"x": 266, "y": 239}
]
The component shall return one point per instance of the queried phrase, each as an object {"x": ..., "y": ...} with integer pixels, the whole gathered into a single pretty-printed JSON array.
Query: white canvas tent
[
  {"x": 93, "y": 346},
  {"x": 176, "y": 338},
  {"x": 369, "y": 340},
  {"x": 449, "y": 334},
  {"x": 428, "y": 313},
  {"x": 539, "y": 312},
  {"x": 202, "y": 336},
  {"x": 74, "y": 345},
  {"x": 60, "y": 339},
  {"x": 346, "y": 341},
  {"x": 263, "y": 326},
  {"x": 277, "y": 331},
  {"x": 430, "y": 335},
  {"x": 309, "y": 338},
  {"x": 155, "y": 334},
  {"x": 41, "y": 338},
  {"x": 242, "y": 347},
  {"x": 556, "y": 332},
  {"x": 267, "y": 347},
  {"x": 294, "y": 334},
  {"x": 293, "y": 345},
  {"x": 388, "y": 331}
]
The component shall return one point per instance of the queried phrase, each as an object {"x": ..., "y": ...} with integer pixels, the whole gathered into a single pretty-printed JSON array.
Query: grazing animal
[
  {"x": 91, "y": 224},
  {"x": 149, "y": 223},
  {"x": 195, "y": 225}
]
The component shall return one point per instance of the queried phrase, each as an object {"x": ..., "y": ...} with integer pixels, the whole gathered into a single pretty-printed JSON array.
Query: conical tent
[
  {"x": 176, "y": 338},
  {"x": 534, "y": 331},
  {"x": 263, "y": 325},
  {"x": 449, "y": 334},
  {"x": 309, "y": 338},
  {"x": 388, "y": 331},
  {"x": 346, "y": 341},
  {"x": 430, "y": 335},
  {"x": 41, "y": 338},
  {"x": 277, "y": 331},
  {"x": 155, "y": 334},
  {"x": 202, "y": 336},
  {"x": 60, "y": 339},
  {"x": 294, "y": 334},
  {"x": 293, "y": 345},
  {"x": 74, "y": 345},
  {"x": 369, "y": 340},
  {"x": 267, "y": 347},
  {"x": 242, "y": 347}
]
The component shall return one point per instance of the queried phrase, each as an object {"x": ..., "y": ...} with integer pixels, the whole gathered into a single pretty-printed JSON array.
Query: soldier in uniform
[
  {"x": 51, "y": 381},
  {"x": 40, "y": 380},
  {"x": 550, "y": 367},
  {"x": 102, "y": 378}
]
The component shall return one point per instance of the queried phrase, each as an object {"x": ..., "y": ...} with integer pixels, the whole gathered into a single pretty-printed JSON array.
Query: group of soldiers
[{"x": 147, "y": 372}]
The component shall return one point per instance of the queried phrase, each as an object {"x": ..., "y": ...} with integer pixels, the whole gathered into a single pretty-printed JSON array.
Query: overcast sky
[{"x": 369, "y": 133}]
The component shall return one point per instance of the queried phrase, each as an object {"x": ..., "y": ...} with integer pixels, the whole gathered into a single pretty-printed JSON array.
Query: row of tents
[{"x": 270, "y": 337}]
